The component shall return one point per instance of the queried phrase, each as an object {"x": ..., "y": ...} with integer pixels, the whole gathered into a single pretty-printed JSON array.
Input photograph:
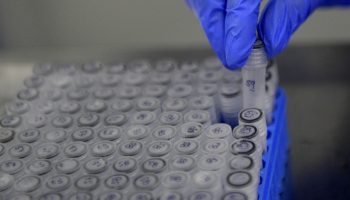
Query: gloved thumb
[
  {"x": 240, "y": 30},
  {"x": 281, "y": 19}
]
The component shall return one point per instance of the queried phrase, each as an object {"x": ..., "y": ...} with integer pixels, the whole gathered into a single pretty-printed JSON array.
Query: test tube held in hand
[{"x": 254, "y": 74}]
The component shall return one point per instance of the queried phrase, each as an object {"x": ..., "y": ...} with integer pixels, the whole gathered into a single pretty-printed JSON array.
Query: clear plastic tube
[{"x": 254, "y": 74}]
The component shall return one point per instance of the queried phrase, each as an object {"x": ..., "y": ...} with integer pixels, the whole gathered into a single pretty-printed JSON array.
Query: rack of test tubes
[{"x": 142, "y": 130}]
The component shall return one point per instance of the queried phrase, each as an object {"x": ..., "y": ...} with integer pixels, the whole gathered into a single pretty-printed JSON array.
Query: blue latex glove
[{"x": 231, "y": 25}]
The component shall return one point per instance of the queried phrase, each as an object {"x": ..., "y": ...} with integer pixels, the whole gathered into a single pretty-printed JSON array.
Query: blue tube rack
[{"x": 275, "y": 160}]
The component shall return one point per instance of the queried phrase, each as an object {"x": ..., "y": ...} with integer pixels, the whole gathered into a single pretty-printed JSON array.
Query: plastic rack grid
[{"x": 273, "y": 174}]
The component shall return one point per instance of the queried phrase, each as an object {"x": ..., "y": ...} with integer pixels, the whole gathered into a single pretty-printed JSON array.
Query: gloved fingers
[
  {"x": 211, "y": 14},
  {"x": 281, "y": 19},
  {"x": 240, "y": 30},
  {"x": 324, "y": 3},
  {"x": 189, "y": 4}
]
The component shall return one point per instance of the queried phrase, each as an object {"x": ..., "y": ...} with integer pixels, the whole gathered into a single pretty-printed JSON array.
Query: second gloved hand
[{"x": 231, "y": 25}]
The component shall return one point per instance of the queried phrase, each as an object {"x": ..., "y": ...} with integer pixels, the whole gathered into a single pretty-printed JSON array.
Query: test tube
[
  {"x": 233, "y": 77},
  {"x": 212, "y": 63},
  {"x": 244, "y": 182},
  {"x": 256, "y": 117},
  {"x": 206, "y": 103},
  {"x": 230, "y": 102},
  {"x": 139, "y": 66},
  {"x": 165, "y": 65},
  {"x": 189, "y": 67},
  {"x": 199, "y": 116},
  {"x": 251, "y": 132},
  {"x": 253, "y": 73},
  {"x": 175, "y": 104}
]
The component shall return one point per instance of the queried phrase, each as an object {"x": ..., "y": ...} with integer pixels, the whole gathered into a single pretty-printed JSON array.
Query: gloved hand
[{"x": 231, "y": 25}]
